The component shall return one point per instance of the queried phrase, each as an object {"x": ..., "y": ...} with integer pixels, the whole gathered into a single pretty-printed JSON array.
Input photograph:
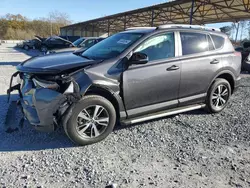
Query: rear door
[
  {"x": 153, "y": 86},
  {"x": 199, "y": 65}
]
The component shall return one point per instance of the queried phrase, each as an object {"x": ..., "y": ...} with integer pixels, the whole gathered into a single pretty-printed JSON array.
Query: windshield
[
  {"x": 78, "y": 41},
  {"x": 112, "y": 46}
]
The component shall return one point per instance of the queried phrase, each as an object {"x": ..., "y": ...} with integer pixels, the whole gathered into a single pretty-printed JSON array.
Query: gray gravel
[{"x": 194, "y": 149}]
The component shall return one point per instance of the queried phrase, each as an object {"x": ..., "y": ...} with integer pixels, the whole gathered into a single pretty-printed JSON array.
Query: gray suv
[{"x": 132, "y": 76}]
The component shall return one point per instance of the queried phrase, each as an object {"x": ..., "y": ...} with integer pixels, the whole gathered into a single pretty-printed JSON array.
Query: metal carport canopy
[{"x": 177, "y": 12}]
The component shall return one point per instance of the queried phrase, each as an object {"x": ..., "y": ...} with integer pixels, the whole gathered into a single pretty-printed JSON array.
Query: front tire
[
  {"x": 218, "y": 95},
  {"x": 93, "y": 119}
]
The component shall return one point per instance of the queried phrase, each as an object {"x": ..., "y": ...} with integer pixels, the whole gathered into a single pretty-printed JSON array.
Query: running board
[{"x": 163, "y": 114}]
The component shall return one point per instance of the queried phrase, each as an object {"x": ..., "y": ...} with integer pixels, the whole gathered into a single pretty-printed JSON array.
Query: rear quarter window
[{"x": 218, "y": 41}]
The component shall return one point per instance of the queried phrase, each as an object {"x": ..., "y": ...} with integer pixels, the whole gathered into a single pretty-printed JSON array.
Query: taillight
[{"x": 237, "y": 53}]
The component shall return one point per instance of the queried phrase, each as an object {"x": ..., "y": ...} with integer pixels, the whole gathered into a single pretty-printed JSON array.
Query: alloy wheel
[
  {"x": 220, "y": 96},
  {"x": 92, "y": 121}
]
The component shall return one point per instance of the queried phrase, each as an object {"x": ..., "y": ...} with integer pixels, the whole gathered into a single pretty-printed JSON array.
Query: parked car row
[
  {"x": 130, "y": 77},
  {"x": 59, "y": 44},
  {"x": 80, "y": 45}
]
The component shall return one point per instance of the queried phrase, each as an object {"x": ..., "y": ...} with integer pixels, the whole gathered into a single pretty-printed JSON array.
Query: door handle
[
  {"x": 172, "y": 68},
  {"x": 215, "y": 61}
]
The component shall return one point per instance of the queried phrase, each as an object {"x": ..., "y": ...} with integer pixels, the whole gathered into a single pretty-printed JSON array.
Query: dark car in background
[
  {"x": 34, "y": 43},
  {"x": 70, "y": 38},
  {"x": 130, "y": 77},
  {"x": 80, "y": 45},
  {"x": 31, "y": 44},
  {"x": 244, "y": 49},
  {"x": 55, "y": 42}
]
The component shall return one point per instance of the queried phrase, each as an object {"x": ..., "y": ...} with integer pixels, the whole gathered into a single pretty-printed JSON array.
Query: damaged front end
[{"x": 45, "y": 99}]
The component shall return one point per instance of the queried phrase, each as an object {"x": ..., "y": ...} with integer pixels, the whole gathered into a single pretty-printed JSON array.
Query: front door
[{"x": 153, "y": 86}]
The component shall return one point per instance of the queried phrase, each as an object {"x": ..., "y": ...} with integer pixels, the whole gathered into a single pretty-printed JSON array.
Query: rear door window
[
  {"x": 193, "y": 43},
  {"x": 218, "y": 41}
]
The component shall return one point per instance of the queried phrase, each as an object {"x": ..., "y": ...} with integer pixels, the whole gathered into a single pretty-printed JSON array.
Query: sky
[{"x": 78, "y": 10}]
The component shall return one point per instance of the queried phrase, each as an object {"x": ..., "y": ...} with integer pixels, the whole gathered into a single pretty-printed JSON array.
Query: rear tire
[
  {"x": 92, "y": 120},
  {"x": 218, "y": 95}
]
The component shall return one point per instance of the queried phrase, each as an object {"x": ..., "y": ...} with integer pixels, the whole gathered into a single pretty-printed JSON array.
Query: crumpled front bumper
[{"x": 39, "y": 105}]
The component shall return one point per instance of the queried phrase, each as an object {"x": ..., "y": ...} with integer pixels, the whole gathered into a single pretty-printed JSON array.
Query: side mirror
[{"x": 138, "y": 58}]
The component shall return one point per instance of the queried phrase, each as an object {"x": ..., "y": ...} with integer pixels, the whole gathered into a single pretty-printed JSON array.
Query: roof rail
[
  {"x": 134, "y": 28},
  {"x": 187, "y": 26}
]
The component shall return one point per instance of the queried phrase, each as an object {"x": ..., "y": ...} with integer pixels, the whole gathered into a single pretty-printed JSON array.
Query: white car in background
[{"x": 80, "y": 44}]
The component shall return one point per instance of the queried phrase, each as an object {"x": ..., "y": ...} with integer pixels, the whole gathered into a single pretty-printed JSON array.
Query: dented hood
[{"x": 54, "y": 63}]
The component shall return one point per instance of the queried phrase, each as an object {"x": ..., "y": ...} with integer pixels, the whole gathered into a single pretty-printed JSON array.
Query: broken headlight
[{"x": 45, "y": 84}]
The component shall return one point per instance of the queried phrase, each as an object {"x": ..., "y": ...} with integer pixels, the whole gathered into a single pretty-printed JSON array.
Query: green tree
[{"x": 19, "y": 27}]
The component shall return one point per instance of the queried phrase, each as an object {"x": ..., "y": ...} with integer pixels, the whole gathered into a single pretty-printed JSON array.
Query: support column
[
  {"x": 237, "y": 31},
  {"x": 191, "y": 13},
  {"x": 92, "y": 30},
  {"x": 86, "y": 32},
  {"x": 125, "y": 22},
  {"x": 108, "y": 28},
  {"x": 82, "y": 32},
  {"x": 152, "y": 18}
]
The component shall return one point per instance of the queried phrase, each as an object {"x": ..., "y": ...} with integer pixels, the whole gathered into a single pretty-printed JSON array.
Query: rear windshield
[{"x": 218, "y": 41}]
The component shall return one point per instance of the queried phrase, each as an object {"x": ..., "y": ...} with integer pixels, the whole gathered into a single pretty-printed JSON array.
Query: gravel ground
[{"x": 194, "y": 149}]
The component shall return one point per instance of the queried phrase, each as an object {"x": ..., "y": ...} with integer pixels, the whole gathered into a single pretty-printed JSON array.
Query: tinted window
[
  {"x": 88, "y": 43},
  {"x": 78, "y": 41},
  {"x": 246, "y": 44},
  {"x": 239, "y": 49},
  {"x": 100, "y": 39},
  {"x": 112, "y": 46},
  {"x": 218, "y": 41},
  {"x": 58, "y": 41},
  {"x": 158, "y": 47},
  {"x": 193, "y": 43}
]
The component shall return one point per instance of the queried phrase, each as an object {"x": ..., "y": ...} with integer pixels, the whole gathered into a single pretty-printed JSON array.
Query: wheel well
[
  {"x": 93, "y": 90},
  {"x": 229, "y": 78}
]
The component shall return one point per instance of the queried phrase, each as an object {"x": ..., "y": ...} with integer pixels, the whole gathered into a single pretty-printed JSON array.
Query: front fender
[{"x": 86, "y": 81}]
